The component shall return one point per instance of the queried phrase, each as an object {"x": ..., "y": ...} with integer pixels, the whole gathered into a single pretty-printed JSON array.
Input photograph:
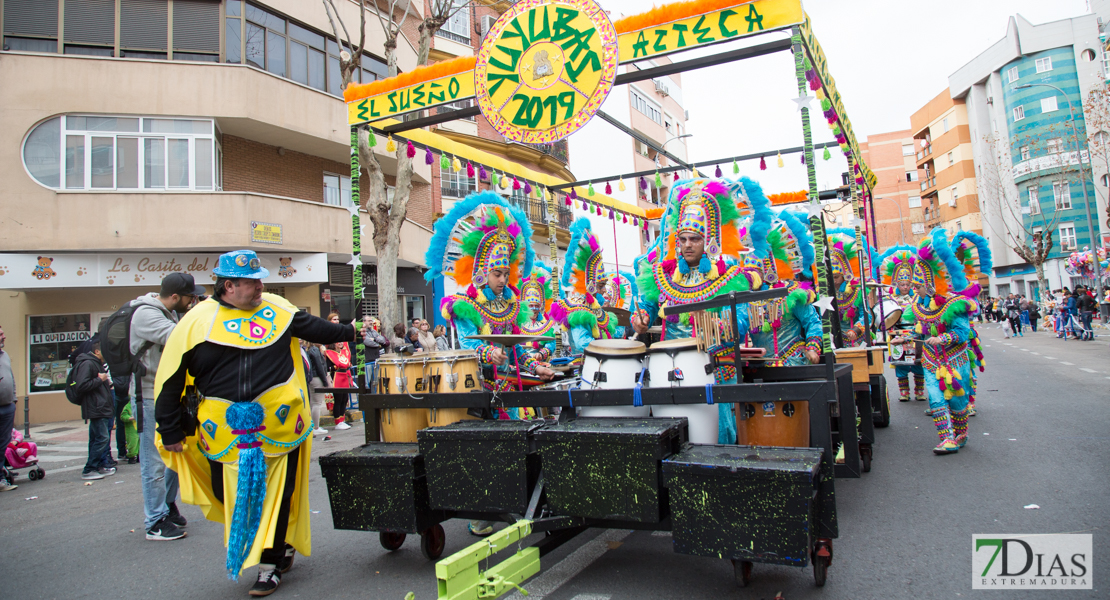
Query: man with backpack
[
  {"x": 89, "y": 385},
  {"x": 153, "y": 317}
]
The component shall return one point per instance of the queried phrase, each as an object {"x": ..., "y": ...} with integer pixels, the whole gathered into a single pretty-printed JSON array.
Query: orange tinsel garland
[
  {"x": 357, "y": 91},
  {"x": 653, "y": 213},
  {"x": 672, "y": 12},
  {"x": 788, "y": 198}
]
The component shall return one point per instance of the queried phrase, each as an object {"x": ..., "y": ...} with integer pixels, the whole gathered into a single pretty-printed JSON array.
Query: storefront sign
[
  {"x": 265, "y": 233},
  {"x": 739, "y": 21},
  {"x": 545, "y": 67},
  {"x": 51, "y": 340},
  {"x": 414, "y": 97},
  {"x": 30, "y": 272}
]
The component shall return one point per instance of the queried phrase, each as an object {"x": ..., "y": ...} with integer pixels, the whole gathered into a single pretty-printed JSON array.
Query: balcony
[
  {"x": 928, "y": 184},
  {"x": 559, "y": 150},
  {"x": 538, "y": 211},
  {"x": 924, "y": 153}
]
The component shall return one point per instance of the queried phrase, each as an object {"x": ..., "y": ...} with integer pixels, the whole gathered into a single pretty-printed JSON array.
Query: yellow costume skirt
[{"x": 195, "y": 477}]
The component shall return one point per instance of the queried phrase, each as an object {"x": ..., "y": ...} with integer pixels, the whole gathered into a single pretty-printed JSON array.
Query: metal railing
[
  {"x": 537, "y": 211},
  {"x": 559, "y": 149},
  {"x": 926, "y": 151},
  {"x": 928, "y": 183}
]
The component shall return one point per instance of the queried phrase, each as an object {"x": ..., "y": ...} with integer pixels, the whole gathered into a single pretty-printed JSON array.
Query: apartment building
[
  {"x": 944, "y": 156},
  {"x": 897, "y": 198},
  {"x": 1021, "y": 141}
]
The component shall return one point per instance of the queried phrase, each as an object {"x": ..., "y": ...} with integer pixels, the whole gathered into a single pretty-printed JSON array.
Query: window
[
  {"x": 1055, "y": 145},
  {"x": 907, "y": 149},
  {"x": 955, "y": 197},
  {"x": 959, "y": 225},
  {"x": 51, "y": 339},
  {"x": 337, "y": 190},
  {"x": 457, "y": 105},
  {"x": 1025, "y": 153},
  {"x": 1100, "y": 139},
  {"x": 1012, "y": 74},
  {"x": 918, "y": 228},
  {"x": 30, "y": 26},
  {"x": 1061, "y": 192},
  {"x": 196, "y": 30},
  {"x": 944, "y": 124},
  {"x": 1019, "y": 113},
  {"x": 106, "y": 153},
  {"x": 1044, "y": 64},
  {"x": 1088, "y": 55},
  {"x": 1048, "y": 104},
  {"x": 1067, "y": 237},
  {"x": 951, "y": 160},
  {"x": 915, "y": 201},
  {"x": 1105, "y": 179},
  {"x": 647, "y": 108},
  {"x": 1034, "y": 201},
  {"x": 456, "y": 185},
  {"x": 911, "y": 175},
  {"x": 457, "y": 27}
]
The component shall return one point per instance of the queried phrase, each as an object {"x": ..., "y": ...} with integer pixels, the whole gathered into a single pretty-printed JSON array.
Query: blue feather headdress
[{"x": 457, "y": 237}]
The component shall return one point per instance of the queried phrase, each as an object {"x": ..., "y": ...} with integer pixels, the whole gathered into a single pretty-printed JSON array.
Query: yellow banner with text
[{"x": 426, "y": 94}]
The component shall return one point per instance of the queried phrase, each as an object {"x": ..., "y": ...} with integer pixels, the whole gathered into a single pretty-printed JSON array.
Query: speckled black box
[
  {"x": 743, "y": 502},
  {"x": 609, "y": 467},
  {"x": 481, "y": 466},
  {"x": 379, "y": 487}
]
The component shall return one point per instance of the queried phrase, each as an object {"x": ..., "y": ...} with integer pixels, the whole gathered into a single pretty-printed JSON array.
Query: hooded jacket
[
  {"x": 150, "y": 322},
  {"x": 96, "y": 395}
]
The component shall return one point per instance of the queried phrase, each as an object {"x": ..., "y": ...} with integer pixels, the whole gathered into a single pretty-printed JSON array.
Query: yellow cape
[{"x": 285, "y": 407}]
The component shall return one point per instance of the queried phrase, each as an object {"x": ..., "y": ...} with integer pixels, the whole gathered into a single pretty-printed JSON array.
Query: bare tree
[
  {"x": 1096, "y": 111},
  {"x": 1028, "y": 226},
  {"x": 387, "y": 214}
]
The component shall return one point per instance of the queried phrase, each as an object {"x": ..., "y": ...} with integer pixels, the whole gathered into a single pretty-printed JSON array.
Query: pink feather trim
[
  {"x": 715, "y": 188},
  {"x": 682, "y": 193}
]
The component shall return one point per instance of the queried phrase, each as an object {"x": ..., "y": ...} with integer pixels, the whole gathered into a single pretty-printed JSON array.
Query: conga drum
[
  {"x": 451, "y": 372},
  {"x": 773, "y": 424},
  {"x": 399, "y": 424},
  {"x": 679, "y": 363},
  {"x": 612, "y": 364}
]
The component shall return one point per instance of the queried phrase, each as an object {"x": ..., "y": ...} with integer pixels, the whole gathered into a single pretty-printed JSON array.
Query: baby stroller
[{"x": 22, "y": 454}]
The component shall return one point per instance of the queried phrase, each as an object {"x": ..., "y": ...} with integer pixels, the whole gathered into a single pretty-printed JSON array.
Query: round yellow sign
[{"x": 545, "y": 67}]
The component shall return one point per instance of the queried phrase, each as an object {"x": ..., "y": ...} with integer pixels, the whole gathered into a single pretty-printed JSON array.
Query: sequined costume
[
  {"x": 581, "y": 285},
  {"x": 896, "y": 272},
  {"x": 844, "y": 257},
  {"x": 480, "y": 234},
  {"x": 941, "y": 312},
  {"x": 536, "y": 294},
  {"x": 974, "y": 252},
  {"x": 621, "y": 292}
]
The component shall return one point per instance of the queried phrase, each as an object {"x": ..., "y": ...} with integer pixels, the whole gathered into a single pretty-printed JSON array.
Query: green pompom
[
  {"x": 658, "y": 180},
  {"x": 827, "y": 155},
  {"x": 444, "y": 163},
  {"x": 373, "y": 138},
  {"x": 735, "y": 168},
  {"x": 590, "y": 190}
]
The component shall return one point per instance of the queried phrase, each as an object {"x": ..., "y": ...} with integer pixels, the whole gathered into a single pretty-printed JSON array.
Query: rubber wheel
[
  {"x": 391, "y": 541},
  {"x": 865, "y": 457},
  {"x": 40, "y": 473},
  {"x": 883, "y": 418},
  {"x": 432, "y": 542},
  {"x": 820, "y": 569},
  {"x": 742, "y": 569},
  {"x": 32, "y": 474}
]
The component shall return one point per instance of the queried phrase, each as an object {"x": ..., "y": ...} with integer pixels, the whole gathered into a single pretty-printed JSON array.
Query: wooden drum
[
  {"x": 679, "y": 363},
  {"x": 613, "y": 364},
  {"x": 450, "y": 372},
  {"x": 395, "y": 377},
  {"x": 773, "y": 424}
]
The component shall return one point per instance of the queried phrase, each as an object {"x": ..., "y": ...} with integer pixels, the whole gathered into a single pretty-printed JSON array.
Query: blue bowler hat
[{"x": 241, "y": 264}]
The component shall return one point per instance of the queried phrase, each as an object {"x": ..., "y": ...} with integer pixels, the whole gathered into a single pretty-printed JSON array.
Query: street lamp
[
  {"x": 1083, "y": 180},
  {"x": 901, "y": 227},
  {"x": 685, "y": 135}
]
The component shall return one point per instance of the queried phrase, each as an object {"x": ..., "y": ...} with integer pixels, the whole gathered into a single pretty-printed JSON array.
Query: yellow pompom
[
  {"x": 819, "y": 94},
  {"x": 781, "y": 165},
  {"x": 620, "y": 184},
  {"x": 486, "y": 330},
  {"x": 456, "y": 166},
  {"x": 390, "y": 146},
  {"x": 696, "y": 174},
  {"x": 504, "y": 182}
]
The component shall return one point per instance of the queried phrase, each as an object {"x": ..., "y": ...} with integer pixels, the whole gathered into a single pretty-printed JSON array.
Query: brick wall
[{"x": 251, "y": 166}]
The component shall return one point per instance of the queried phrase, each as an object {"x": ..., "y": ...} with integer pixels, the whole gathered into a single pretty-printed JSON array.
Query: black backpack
[
  {"x": 115, "y": 342},
  {"x": 71, "y": 385}
]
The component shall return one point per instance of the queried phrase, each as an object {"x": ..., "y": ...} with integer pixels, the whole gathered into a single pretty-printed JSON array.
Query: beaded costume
[
  {"x": 974, "y": 252},
  {"x": 582, "y": 284},
  {"x": 938, "y": 311},
  {"x": 536, "y": 294},
  {"x": 844, "y": 257},
  {"x": 896, "y": 272}
]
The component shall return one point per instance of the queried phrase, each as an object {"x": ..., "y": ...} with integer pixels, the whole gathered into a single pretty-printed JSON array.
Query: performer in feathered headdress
[
  {"x": 974, "y": 252},
  {"x": 579, "y": 307},
  {"x": 844, "y": 257},
  {"x": 484, "y": 244},
  {"x": 621, "y": 292},
  {"x": 537, "y": 295},
  {"x": 896, "y": 272},
  {"x": 788, "y": 328},
  {"x": 940, "y": 319},
  {"x": 707, "y": 225}
]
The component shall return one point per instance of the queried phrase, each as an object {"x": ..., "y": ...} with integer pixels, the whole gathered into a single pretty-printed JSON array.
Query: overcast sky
[{"x": 888, "y": 57}]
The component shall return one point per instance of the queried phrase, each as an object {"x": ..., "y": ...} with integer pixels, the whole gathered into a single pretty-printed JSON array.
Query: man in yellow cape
[{"x": 233, "y": 416}]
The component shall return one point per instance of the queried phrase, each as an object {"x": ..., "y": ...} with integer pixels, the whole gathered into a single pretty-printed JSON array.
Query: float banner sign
[
  {"x": 544, "y": 69},
  {"x": 821, "y": 65},
  {"x": 411, "y": 98},
  {"x": 744, "y": 19}
]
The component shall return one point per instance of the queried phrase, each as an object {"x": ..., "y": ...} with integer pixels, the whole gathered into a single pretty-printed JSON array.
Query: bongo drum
[
  {"x": 773, "y": 424},
  {"x": 450, "y": 372},
  {"x": 679, "y": 363},
  {"x": 890, "y": 309},
  {"x": 612, "y": 364},
  {"x": 399, "y": 424}
]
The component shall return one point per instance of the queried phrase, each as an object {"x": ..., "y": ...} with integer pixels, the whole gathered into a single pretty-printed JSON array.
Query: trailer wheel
[
  {"x": 820, "y": 570},
  {"x": 742, "y": 570},
  {"x": 391, "y": 541},
  {"x": 865, "y": 457},
  {"x": 432, "y": 542}
]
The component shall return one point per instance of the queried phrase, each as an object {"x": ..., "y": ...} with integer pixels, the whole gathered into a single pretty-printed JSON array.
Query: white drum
[
  {"x": 679, "y": 363},
  {"x": 612, "y": 364},
  {"x": 887, "y": 308}
]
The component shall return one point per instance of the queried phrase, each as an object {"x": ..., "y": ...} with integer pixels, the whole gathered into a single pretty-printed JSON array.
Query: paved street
[{"x": 905, "y": 528}]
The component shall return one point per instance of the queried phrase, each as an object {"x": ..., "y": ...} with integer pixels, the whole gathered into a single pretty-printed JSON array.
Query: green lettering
[
  {"x": 681, "y": 29},
  {"x": 392, "y": 97},
  {"x": 361, "y": 114},
  {"x": 725, "y": 31},
  {"x": 702, "y": 31},
  {"x": 523, "y": 116},
  {"x": 453, "y": 87},
  {"x": 535, "y": 111},
  {"x": 640, "y": 47},
  {"x": 373, "y": 110},
  {"x": 566, "y": 99},
  {"x": 754, "y": 19},
  {"x": 432, "y": 95},
  {"x": 543, "y": 33},
  {"x": 551, "y": 102},
  {"x": 406, "y": 100},
  {"x": 519, "y": 33},
  {"x": 659, "y": 46},
  {"x": 499, "y": 78},
  {"x": 418, "y": 95},
  {"x": 514, "y": 56},
  {"x": 562, "y": 28},
  {"x": 590, "y": 59}
]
